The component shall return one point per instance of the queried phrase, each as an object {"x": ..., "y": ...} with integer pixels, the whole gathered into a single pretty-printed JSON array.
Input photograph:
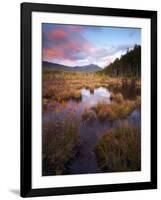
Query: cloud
[
  {"x": 68, "y": 45},
  {"x": 123, "y": 47},
  {"x": 104, "y": 56},
  {"x": 65, "y": 43},
  {"x": 49, "y": 53},
  {"x": 57, "y": 34}
]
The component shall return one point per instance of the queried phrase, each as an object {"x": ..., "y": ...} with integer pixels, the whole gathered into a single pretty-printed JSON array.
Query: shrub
[{"x": 119, "y": 149}]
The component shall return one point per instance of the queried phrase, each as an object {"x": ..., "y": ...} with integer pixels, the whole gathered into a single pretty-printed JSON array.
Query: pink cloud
[
  {"x": 49, "y": 53},
  {"x": 66, "y": 44},
  {"x": 57, "y": 34}
]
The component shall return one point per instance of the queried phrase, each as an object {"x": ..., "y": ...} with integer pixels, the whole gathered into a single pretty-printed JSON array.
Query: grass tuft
[
  {"x": 119, "y": 149},
  {"x": 118, "y": 98},
  {"x": 59, "y": 142},
  {"x": 114, "y": 110},
  {"x": 88, "y": 115}
]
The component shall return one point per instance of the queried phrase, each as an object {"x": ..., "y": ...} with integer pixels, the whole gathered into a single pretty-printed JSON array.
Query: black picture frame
[{"x": 26, "y": 106}]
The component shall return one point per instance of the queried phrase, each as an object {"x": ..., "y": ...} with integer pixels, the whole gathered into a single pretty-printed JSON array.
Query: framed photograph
[{"x": 88, "y": 99}]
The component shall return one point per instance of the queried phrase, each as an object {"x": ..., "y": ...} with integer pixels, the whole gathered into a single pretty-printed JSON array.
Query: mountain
[
  {"x": 84, "y": 68},
  {"x": 54, "y": 66},
  {"x": 129, "y": 65}
]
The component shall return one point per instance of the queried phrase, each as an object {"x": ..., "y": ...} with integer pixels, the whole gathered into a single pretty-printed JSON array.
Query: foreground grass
[
  {"x": 88, "y": 115},
  {"x": 119, "y": 149},
  {"x": 60, "y": 140},
  {"x": 61, "y": 137}
]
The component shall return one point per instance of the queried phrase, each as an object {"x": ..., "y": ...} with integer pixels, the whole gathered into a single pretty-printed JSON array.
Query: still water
[{"x": 85, "y": 160}]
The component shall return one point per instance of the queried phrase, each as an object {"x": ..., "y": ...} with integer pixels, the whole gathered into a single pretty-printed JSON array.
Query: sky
[{"x": 79, "y": 45}]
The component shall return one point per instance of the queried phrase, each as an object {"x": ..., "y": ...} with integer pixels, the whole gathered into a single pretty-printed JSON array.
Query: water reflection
[
  {"x": 92, "y": 98},
  {"x": 85, "y": 160}
]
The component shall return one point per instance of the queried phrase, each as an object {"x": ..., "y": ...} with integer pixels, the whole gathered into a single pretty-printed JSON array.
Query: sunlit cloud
[{"x": 72, "y": 45}]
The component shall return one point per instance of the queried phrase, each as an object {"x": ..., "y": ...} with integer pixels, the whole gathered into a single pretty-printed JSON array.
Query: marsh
[{"x": 97, "y": 110}]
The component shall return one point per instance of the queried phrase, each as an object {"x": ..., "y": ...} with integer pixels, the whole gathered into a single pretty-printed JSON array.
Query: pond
[
  {"x": 85, "y": 160},
  {"x": 90, "y": 98}
]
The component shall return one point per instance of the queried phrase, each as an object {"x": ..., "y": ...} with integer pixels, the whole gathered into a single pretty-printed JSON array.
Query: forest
[{"x": 129, "y": 65}]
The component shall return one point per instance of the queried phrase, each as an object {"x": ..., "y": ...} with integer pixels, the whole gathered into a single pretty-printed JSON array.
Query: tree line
[{"x": 129, "y": 65}]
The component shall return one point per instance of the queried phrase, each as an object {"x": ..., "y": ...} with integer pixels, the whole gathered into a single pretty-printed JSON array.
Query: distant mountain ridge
[{"x": 85, "y": 68}]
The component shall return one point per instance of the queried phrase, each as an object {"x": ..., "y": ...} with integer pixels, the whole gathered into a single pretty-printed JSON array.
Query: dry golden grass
[
  {"x": 61, "y": 85},
  {"x": 118, "y": 98},
  {"x": 67, "y": 85},
  {"x": 119, "y": 149},
  {"x": 62, "y": 137},
  {"x": 59, "y": 142},
  {"x": 114, "y": 110},
  {"x": 88, "y": 115}
]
